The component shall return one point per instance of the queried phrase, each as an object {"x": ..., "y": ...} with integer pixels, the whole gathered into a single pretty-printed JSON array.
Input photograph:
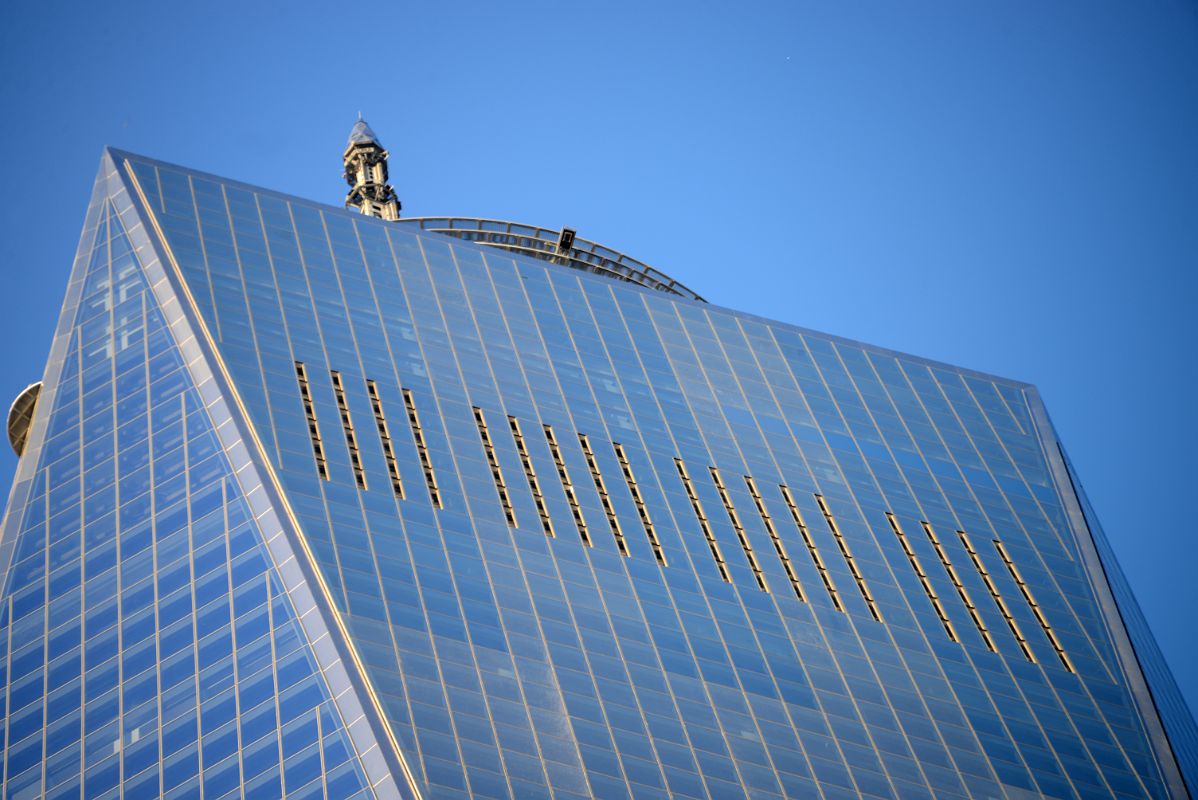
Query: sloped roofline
[{"x": 119, "y": 156}]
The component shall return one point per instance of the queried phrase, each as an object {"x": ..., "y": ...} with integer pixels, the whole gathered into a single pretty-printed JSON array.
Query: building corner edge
[
  {"x": 377, "y": 747},
  {"x": 1179, "y": 784}
]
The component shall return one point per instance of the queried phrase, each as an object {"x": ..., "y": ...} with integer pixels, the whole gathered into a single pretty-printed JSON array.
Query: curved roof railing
[{"x": 559, "y": 247}]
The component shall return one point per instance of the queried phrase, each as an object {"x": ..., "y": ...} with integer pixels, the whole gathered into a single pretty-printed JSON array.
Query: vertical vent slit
[
  {"x": 998, "y": 599},
  {"x": 734, "y": 518},
  {"x": 538, "y": 499},
  {"x": 707, "y": 533},
  {"x": 347, "y": 424},
  {"x": 567, "y": 485},
  {"x": 1036, "y": 610},
  {"x": 421, "y": 448},
  {"x": 639, "y": 502},
  {"x": 493, "y": 463},
  {"x": 604, "y": 498},
  {"x": 301, "y": 374},
  {"x": 848, "y": 557},
  {"x": 380, "y": 421},
  {"x": 773, "y": 532},
  {"x": 816, "y": 558},
  {"x": 952, "y": 574},
  {"x": 923, "y": 577}
]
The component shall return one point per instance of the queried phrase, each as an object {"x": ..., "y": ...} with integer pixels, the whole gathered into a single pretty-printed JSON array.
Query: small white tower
[{"x": 366, "y": 173}]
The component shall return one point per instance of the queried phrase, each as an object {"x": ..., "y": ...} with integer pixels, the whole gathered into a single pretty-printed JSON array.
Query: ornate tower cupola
[{"x": 366, "y": 173}]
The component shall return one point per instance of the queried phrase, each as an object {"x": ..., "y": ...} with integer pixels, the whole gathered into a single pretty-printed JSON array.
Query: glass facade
[
  {"x": 148, "y": 646},
  {"x": 319, "y": 504}
]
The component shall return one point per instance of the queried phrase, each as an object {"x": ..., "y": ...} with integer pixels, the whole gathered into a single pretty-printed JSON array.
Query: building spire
[{"x": 366, "y": 173}]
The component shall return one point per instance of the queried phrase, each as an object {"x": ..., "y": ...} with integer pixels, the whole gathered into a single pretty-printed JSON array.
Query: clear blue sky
[{"x": 1008, "y": 186}]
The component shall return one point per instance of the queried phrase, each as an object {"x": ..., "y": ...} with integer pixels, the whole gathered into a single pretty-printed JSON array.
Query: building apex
[{"x": 362, "y": 134}]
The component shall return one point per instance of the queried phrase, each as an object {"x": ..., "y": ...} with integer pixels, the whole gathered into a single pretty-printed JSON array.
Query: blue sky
[{"x": 1011, "y": 187}]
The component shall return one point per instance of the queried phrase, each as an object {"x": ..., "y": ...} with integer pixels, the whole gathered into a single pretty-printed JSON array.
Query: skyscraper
[{"x": 329, "y": 503}]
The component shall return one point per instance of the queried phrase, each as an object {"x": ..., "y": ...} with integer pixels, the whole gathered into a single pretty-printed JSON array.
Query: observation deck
[{"x": 562, "y": 246}]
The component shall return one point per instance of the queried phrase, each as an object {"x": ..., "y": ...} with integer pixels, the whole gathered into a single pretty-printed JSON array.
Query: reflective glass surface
[
  {"x": 1167, "y": 696},
  {"x": 516, "y": 663},
  {"x": 146, "y": 646},
  {"x": 573, "y": 537}
]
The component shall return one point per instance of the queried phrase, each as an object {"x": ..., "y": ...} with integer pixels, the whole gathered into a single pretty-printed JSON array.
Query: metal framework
[
  {"x": 365, "y": 163},
  {"x": 20, "y": 416},
  {"x": 563, "y": 247}
]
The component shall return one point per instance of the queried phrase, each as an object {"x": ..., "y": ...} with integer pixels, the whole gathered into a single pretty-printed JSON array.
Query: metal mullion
[
  {"x": 996, "y": 596},
  {"x": 120, "y": 602},
  {"x": 942, "y": 554},
  {"x": 422, "y": 453},
  {"x": 738, "y": 528},
  {"x": 530, "y": 475},
  {"x": 274, "y": 679},
  {"x": 924, "y": 582},
  {"x": 638, "y": 501},
  {"x": 45, "y": 636},
  {"x": 655, "y": 480},
  {"x": 604, "y": 498},
  {"x": 848, "y": 557},
  {"x": 324, "y": 772},
  {"x": 704, "y": 523},
  {"x": 322, "y": 464},
  {"x": 8, "y": 698},
  {"x": 245, "y": 294},
  {"x": 357, "y": 457},
  {"x": 224, "y": 504},
  {"x": 384, "y": 431},
  {"x": 452, "y": 343},
  {"x": 145, "y": 327},
  {"x": 116, "y": 489},
  {"x": 772, "y": 530},
  {"x": 83, "y": 543},
  {"x": 195, "y": 634},
  {"x": 386, "y": 435},
  {"x": 909, "y": 408},
  {"x": 347, "y": 426},
  {"x": 813, "y": 551},
  {"x": 274, "y": 276},
  {"x": 493, "y": 463},
  {"x": 563, "y": 475},
  {"x": 204, "y": 253},
  {"x": 1037, "y": 611},
  {"x": 687, "y": 355}
]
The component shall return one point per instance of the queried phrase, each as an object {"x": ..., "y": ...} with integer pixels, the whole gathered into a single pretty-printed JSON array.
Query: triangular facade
[
  {"x": 516, "y": 530},
  {"x": 154, "y": 640}
]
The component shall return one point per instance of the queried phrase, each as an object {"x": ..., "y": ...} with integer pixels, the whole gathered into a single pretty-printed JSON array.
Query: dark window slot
[
  {"x": 703, "y": 523},
  {"x": 538, "y": 499},
  {"x": 500, "y": 485},
  {"x": 998, "y": 599},
  {"x": 848, "y": 557},
  {"x": 770, "y": 528},
  {"x": 952, "y": 574},
  {"x": 604, "y": 499},
  {"x": 1036, "y": 610},
  {"x": 421, "y": 448},
  {"x": 347, "y": 424},
  {"x": 567, "y": 485},
  {"x": 923, "y": 577},
  {"x": 816, "y": 558},
  {"x": 639, "y": 502},
  {"x": 380, "y": 422},
  {"x": 322, "y": 467},
  {"x": 734, "y": 518}
]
